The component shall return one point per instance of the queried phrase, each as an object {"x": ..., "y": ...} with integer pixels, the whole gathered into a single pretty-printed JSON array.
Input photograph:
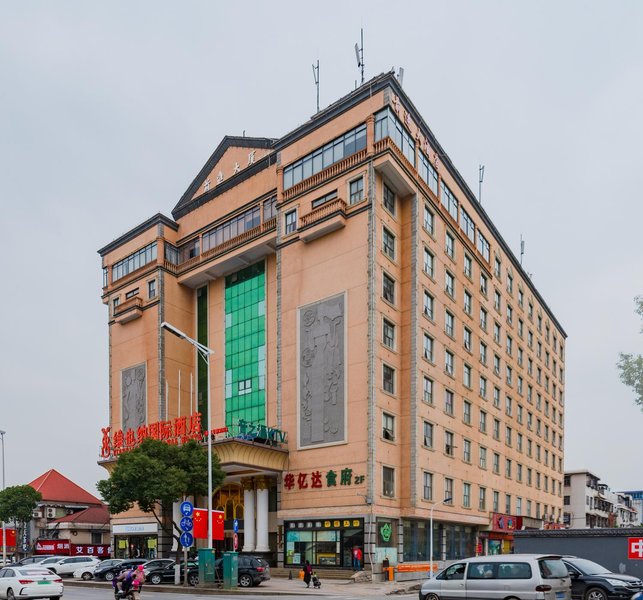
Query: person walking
[{"x": 308, "y": 573}]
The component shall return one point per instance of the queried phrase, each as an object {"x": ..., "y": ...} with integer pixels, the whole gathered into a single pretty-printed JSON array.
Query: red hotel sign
[
  {"x": 635, "y": 548},
  {"x": 64, "y": 547}
]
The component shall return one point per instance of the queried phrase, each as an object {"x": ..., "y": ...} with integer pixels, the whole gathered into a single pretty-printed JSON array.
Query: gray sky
[{"x": 108, "y": 110}]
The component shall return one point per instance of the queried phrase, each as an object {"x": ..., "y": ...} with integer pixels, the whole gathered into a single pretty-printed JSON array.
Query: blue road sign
[
  {"x": 186, "y": 524},
  {"x": 187, "y": 508},
  {"x": 186, "y": 539},
  {"x": 235, "y": 525}
]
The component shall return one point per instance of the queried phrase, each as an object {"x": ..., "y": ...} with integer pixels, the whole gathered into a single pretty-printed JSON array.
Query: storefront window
[
  {"x": 460, "y": 541},
  {"x": 417, "y": 542},
  {"x": 135, "y": 546}
]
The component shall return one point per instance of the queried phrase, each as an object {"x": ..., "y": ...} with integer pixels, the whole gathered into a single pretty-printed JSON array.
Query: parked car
[
  {"x": 87, "y": 572},
  {"x": 109, "y": 572},
  {"x": 252, "y": 570},
  {"x": 591, "y": 581},
  {"x": 527, "y": 576},
  {"x": 31, "y": 560},
  {"x": 51, "y": 560},
  {"x": 158, "y": 574},
  {"x": 68, "y": 565},
  {"x": 157, "y": 563},
  {"x": 29, "y": 581}
]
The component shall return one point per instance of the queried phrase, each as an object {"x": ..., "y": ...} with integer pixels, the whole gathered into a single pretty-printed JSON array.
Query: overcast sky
[{"x": 109, "y": 109}]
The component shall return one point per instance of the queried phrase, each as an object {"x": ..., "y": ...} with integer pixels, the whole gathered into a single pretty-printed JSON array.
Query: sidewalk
[{"x": 282, "y": 587}]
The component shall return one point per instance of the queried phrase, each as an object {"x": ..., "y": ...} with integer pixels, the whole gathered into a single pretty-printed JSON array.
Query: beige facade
[{"x": 360, "y": 301}]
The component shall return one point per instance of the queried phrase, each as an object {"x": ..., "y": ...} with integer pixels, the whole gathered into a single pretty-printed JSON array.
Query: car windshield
[{"x": 588, "y": 567}]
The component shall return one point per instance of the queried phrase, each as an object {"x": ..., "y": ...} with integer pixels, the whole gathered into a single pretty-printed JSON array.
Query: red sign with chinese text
[
  {"x": 65, "y": 547},
  {"x": 635, "y": 548}
]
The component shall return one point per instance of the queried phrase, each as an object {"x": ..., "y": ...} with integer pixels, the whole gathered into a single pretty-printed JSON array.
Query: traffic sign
[
  {"x": 187, "y": 508},
  {"x": 186, "y": 524},
  {"x": 235, "y": 541},
  {"x": 235, "y": 525},
  {"x": 186, "y": 539}
]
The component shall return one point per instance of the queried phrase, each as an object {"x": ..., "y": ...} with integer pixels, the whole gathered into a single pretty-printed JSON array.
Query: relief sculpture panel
[
  {"x": 321, "y": 372},
  {"x": 133, "y": 397}
]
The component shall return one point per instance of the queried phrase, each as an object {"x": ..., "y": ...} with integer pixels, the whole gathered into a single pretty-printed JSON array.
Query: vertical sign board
[{"x": 635, "y": 548}]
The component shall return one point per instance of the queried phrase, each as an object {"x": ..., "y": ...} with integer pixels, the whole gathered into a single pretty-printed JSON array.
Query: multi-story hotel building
[{"x": 378, "y": 347}]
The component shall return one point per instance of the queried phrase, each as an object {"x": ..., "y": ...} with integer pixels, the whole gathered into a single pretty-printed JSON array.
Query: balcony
[
  {"x": 229, "y": 256},
  {"x": 129, "y": 310},
  {"x": 324, "y": 219}
]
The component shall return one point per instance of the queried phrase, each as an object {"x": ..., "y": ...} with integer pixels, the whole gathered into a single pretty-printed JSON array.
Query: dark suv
[
  {"x": 109, "y": 572},
  {"x": 252, "y": 570},
  {"x": 591, "y": 581}
]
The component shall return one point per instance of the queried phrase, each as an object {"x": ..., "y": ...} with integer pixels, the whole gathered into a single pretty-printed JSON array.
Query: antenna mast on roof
[
  {"x": 480, "y": 180},
  {"x": 522, "y": 249},
  {"x": 359, "y": 54},
  {"x": 316, "y": 78}
]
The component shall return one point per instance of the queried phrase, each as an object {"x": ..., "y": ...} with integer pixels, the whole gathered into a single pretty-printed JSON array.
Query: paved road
[{"x": 82, "y": 593}]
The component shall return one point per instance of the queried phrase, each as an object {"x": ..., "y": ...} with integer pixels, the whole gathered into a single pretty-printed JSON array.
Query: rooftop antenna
[
  {"x": 480, "y": 180},
  {"x": 359, "y": 54},
  {"x": 316, "y": 78},
  {"x": 400, "y": 76},
  {"x": 522, "y": 250}
]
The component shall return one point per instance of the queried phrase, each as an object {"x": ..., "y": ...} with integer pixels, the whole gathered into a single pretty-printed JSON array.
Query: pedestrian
[
  {"x": 357, "y": 558},
  {"x": 308, "y": 573}
]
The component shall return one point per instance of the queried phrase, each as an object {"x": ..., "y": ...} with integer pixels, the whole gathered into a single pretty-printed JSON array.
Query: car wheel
[
  {"x": 109, "y": 576},
  {"x": 431, "y": 597},
  {"x": 193, "y": 579},
  {"x": 595, "y": 594},
  {"x": 155, "y": 578},
  {"x": 86, "y": 576},
  {"x": 10, "y": 594},
  {"x": 246, "y": 581}
]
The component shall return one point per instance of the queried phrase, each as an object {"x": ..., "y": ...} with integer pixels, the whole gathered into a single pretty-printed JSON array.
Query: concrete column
[
  {"x": 248, "y": 515},
  {"x": 262, "y": 485}
]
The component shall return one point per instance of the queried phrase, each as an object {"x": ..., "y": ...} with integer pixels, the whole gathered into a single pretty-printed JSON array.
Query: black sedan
[
  {"x": 108, "y": 572},
  {"x": 165, "y": 573},
  {"x": 591, "y": 581}
]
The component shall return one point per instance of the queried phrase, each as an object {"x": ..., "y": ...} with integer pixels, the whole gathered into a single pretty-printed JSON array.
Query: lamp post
[
  {"x": 4, "y": 525},
  {"x": 204, "y": 352},
  {"x": 447, "y": 499}
]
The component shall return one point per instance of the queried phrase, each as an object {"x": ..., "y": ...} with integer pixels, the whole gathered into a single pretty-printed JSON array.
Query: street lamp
[
  {"x": 447, "y": 499},
  {"x": 4, "y": 525},
  {"x": 204, "y": 352}
]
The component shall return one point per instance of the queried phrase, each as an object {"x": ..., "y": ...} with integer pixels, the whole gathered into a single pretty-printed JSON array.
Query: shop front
[
  {"x": 135, "y": 540},
  {"x": 323, "y": 542},
  {"x": 499, "y": 539}
]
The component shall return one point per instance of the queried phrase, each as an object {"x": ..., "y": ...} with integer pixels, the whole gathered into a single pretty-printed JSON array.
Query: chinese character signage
[
  {"x": 319, "y": 480},
  {"x": 63, "y": 547},
  {"x": 635, "y": 548}
]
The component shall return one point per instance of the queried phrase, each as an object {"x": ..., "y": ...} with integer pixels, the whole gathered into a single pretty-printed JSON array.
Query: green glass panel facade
[
  {"x": 202, "y": 338},
  {"x": 245, "y": 350}
]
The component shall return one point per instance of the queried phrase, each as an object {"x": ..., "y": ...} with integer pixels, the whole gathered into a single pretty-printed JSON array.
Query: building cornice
[{"x": 157, "y": 219}]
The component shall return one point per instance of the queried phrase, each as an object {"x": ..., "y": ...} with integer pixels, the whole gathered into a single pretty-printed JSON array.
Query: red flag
[{"x": 200, "y": 519}]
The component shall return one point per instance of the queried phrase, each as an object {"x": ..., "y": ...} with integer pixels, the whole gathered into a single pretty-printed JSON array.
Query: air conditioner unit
[
  {"x": 51, "y": 513},
  {"x": 70, "y": 511},
  {"x": 36, "y": 514}
]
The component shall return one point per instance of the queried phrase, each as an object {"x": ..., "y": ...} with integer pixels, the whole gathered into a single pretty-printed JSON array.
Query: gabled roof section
[
  {"x": 95, "y": 515},
  {"x": 55, "y": 487},
  {"x": 136, "y": 231},
  {"x": 188, "y": 201}
]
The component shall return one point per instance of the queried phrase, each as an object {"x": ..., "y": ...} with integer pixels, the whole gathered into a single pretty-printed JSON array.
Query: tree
[
  {"x": 18, "y": 502},
  {"x": 155, "y": 474},
  {"x": 631, "y": 365}
]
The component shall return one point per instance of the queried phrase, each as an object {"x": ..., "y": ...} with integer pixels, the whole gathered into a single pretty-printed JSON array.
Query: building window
[
  {"x": 449, "y": 244},
  {"x": 244, "y": 387},
  {"x": 448, "y": 490},
  {"x": 508, "y": 435},
  {"x": 428, "y": 263},
  {"x": 429, "y": 220},
  {"x": 466, "y": 376},
  {"x": 468, "y": 305},
  {"x": 483, "y": 284},
  {"x": 428, "y": 348},
  {"x": 388, "y": 199},
  {"x": 496, "y": 462},
  {"x": 448, "y": 402},
  {"x": 115, "y": 302},
  {"x": 508, "y": 503},
  {"x": 428, "y": 173},
  {"x": 427, "y": 389},
  {"x": 291, "y": 221},
  {"x": 483, "y": 387},
  {"x": 466, "y": 224},
  {"x": 483, "y": 353},
  {"x": 466, "y": 495},
  {"x": 483, "y": 319},
  {"x": 314, "y": 204},
  {"x": 131, "y": 294},
  {"x": 468, "y": 266},
  {"x": 449, "y": 201},
  {"x": 449, "y": 324},
  {"x": 496, "y": 300},
  {"x": 356, "y": 190},
  {"x": 388, "y": 334},
  {"x": 388, "y": 288},
  {"x": 510, "y": 284},
  {"x": 519, "y": 506},
  {"x": 467, "y": 339},
  {"x": 387, "y": 124},
  {"x": 428, "y": 486},
  {"x": 497, "y": 267},
  {"x": 449, "y": 284},
  {"x": 496, "y": 429},
  {"x": 151, "y": 289},
  {"x": 388, "y": 482},
  {"x": 483, "y": 246},
  {"x": 134, "y": 261},
  {"x": 388, "y": 243},
  {"x": 496, "y": 332},
  {"x": 466, "y": 451},
  {"x": 483, "y": 457},
  {"x": 428, "y": 305},
  {"x": 483, "y": 421},
  {"x": 448, "y": 443},
  {"x": 388, "y": 427},
  {"x": 449, "y": 363},
  {"x": 388, "y": 379},
  {"x": 482, "y": 499},
  {"x": 428, "y": 434},
  {"x": 466, "y": 412},
  {"x": 496, "y": 364},
  {"x": 496, "y": 397}
]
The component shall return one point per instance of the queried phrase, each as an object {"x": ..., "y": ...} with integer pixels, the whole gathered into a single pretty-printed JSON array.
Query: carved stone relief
[
  {"x": 321, "y": 372},
  {"x": 133, "y": 397}
]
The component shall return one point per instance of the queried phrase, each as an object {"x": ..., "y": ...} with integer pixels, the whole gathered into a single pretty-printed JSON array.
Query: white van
[{"x": 501, "y": 577}]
